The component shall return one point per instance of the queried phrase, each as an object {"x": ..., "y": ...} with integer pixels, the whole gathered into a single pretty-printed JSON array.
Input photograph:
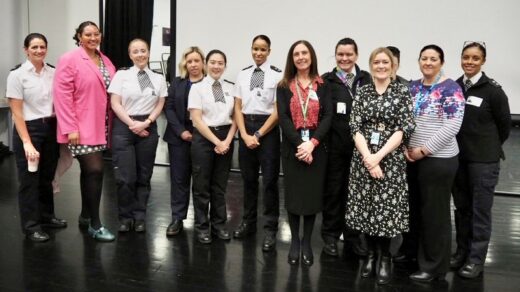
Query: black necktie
[
  {"x": 468, "y": 84},
  {"x": 218, "y": 94},
  {"x": 257, "y": 79},
  {"x": 144, "y": 80}
]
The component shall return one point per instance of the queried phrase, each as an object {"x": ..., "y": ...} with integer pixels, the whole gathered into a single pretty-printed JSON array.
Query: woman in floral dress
[{"x": 378, "y": 193}]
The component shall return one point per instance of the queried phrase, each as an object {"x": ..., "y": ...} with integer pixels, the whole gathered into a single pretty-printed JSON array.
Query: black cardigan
[
  {"x": 484, "y": 129},
  {"x": 292, "y": 138}
]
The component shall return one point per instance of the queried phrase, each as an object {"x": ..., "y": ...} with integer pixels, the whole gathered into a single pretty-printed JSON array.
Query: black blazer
[
  {"x": 485, "y": 128},
  {"x": 292, "y": 138},
  {"x": 340, "y": 138},
  {"x": 175, "y": 110}
]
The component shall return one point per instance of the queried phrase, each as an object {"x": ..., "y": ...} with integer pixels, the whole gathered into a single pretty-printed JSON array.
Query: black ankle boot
[
  {"x": 368, "y": 265},
  {"x": 385, "y": 270}
]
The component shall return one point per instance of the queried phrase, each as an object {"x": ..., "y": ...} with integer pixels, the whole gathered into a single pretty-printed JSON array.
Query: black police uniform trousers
[
  {"x": 473, "y": 193},
  {"x": 210, "y": 173},
  {"x": 133, "y": 158},
  {"x": 266, "y": 158},
  {"x": 431, "y": 180},
  {"x": 35, "y": 196},
  {"x": 180, "y": 178}
]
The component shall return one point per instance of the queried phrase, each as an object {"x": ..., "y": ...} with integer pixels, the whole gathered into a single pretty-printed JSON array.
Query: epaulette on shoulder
[
  {"x": 225, "y": 80},
  {"x": 123, "y": 68},
  {"x": 247, "y": 67},
  {"x": 16, "y": 67},
  {"x": 50, "y": 65},
  {"x": 274, "y": 68},
  {"x": 494, "y": 83}
]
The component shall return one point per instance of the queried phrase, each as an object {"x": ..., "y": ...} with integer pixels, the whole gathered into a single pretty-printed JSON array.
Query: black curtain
[{"x": 125, "y": 20}]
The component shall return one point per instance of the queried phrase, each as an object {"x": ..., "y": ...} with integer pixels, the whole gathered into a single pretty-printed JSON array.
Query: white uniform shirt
[
  {"x": 35, "y": 89},
  {"x": 257, "y": 101},
  {"x": 134, "y": 101},
  {"x": 214, "y": 114}
]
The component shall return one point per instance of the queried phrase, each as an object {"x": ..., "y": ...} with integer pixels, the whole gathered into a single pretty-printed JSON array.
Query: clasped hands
[
  {"x": 371, "y": 162},
  {"x": 304, "y": 152},
  {"x": 251, "y": 141},
  {"x": 222, "y": 147},
  {"x": 139, "y": 128}
]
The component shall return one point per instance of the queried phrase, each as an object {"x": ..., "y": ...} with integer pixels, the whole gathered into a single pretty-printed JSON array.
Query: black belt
[
  {"x": 140, "y": 118},
  {"x": 220, "y": 128},
  {"x": 45, "y": 120},
  {"x": 253, "y": 118}
]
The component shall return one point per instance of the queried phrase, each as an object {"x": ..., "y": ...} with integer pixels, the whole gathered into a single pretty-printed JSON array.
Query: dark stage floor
[{"x": 71, "y": 261}]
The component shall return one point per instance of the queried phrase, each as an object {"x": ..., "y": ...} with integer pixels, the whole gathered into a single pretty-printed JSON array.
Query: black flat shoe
[
  {"x": 384, "y": 275},
  {"x": 38, "y": 236},
  {"x": 293, "y": 260},
  {"x": 204, "y": 237},
  {"x": 307, "y": 259},
  {"x": 244, "y": 230},
  {"x": 125, "y": 226},
  {"x": 269, "y": 242},
  {"x": 331, "y": 249},
  {"x": 471, "y": 271},
  {"x": 140, "y": 226},
  {"x": 421, "y": 276},
  {"x": 54, "y": 223},
  {"x": 174, "y": 228},
  {"x": 222, "y": 234}
]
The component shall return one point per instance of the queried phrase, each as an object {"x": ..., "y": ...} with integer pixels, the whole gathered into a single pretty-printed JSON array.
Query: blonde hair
[{"x": 183, "y": 71}]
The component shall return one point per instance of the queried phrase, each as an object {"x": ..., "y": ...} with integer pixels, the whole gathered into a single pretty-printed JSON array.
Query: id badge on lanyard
[{"x": 304, "y": 133}]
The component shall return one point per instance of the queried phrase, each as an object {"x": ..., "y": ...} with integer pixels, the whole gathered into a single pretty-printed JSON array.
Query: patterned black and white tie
[
  {"x": 218, "y": 94},
  {"x": 350, "y": 79},
  {"x": 468, "y": 84},
  {"x": 257, "y": 79},
  {"x": 144, "y": 80}
]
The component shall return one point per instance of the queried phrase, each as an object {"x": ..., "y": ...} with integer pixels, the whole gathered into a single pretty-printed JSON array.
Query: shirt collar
[
  {"x": 344, "y": 74},
  {"x": 146, "y": 69},
  {"x": 29, "y": 67},
  {"x": 210, "y": 80},
  {"x": 264, "y": 67},
  {"x": 473, "y": 79}
]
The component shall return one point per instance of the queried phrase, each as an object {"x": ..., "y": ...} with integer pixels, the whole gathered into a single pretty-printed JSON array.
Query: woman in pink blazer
[{"x": 81, "y": 104}]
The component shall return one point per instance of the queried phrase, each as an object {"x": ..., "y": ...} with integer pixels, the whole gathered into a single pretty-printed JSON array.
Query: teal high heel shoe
[{"x": 102, "y": 234}]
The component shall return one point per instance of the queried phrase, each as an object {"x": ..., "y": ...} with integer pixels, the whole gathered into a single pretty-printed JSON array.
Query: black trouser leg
[
  {"x": 145, "y": 150},
  {"x": 435, "y": 177},
  {"x": 180, "y": 178},
  {"x": 269, "y": 155},
  {"x": 219, "y": 180},
  {"x": 462, "y": 199}
]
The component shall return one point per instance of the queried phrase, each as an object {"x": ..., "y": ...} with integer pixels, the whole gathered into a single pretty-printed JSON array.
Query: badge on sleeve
[
  {"x": 474, "y": 101},
  {"x": 341, "y": 108},
  {"x": 305, "y": 135}
]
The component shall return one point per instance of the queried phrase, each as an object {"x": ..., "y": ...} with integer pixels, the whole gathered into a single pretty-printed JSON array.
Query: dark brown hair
[{"x": 290, "y": 69}]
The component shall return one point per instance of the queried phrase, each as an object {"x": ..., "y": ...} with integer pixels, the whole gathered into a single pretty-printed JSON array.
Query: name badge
[
  {"x": 313, "y": 95},
  {"x": 305, "y": 135},
  {"x": 374, "y": 139},
  {"x": 474, "y": 101},
  {"x": 341, "y": 108}
]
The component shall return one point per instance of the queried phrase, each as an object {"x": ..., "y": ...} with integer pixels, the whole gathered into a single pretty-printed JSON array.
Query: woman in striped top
[{"x": 432, "y": 153}]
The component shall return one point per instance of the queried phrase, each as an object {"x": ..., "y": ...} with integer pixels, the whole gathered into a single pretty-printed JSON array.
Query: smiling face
[
  {"x": 139, "y": 53},
  {"x": 260, "y": 51},
  {"x": 472, "y": 60},
  {"x": 302, "y": 58},
  {"x": 346, "y": 57},
  {"x": 90, "y": 38},
  {"x": 36, "y": 51},
  {"x": 381, "y": 67},
  {"x": 216, "y": 65},
  {"x": 430, "y": 63},
  {"x": 194, "y": 65}
]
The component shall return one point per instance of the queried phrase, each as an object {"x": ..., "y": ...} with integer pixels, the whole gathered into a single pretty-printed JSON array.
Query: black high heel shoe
[
  {"x": 294, "y": 254},
  {"x": 307, "y": 256}
]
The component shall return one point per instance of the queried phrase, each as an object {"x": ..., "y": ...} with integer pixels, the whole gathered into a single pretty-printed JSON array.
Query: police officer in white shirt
[
  {"x": 29, "y": 90},
  {"x": 210, "y": 103},
  {"x": 259, "y": 146},
  {"x": 137, "y": 99}
]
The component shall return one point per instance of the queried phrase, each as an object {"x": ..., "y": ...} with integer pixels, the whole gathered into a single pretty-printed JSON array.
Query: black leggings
[
  {"x": 380, "y": 244},
  {"x": 308, "y": 225},
  {"x": 91, "y": 183}
]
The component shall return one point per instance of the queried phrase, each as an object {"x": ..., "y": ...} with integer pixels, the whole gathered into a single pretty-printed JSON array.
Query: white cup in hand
[{"x": 32, "y": 164}]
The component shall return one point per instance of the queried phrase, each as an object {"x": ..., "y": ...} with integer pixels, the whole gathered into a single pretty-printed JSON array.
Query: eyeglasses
[{"x": 468, "y": 43}]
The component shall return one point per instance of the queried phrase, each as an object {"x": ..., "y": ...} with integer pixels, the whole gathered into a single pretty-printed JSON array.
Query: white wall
[{"x": 230, "y": 25}]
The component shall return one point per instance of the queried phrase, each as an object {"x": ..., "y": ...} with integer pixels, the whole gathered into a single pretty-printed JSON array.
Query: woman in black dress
[{"x": 305, "y": 115}]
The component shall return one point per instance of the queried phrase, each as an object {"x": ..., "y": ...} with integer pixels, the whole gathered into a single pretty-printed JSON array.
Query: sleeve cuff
[{"x": 315, "y": 142}]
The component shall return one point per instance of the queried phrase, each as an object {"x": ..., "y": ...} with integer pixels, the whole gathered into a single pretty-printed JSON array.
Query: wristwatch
[{"x": 257, "y": 134}]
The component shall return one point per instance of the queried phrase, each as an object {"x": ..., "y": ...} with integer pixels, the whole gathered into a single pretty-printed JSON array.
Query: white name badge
[
  {"x": 313, "y": 95},
  {"x": 305, "y": 135},
  {"x": 474, "y": 101},
  {"x": 374, "y": 139},
  {"x": 341, "y": 108}
]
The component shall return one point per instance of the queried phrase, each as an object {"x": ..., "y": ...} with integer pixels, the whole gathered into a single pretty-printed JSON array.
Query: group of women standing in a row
[{"x": 361, "y": 148}]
